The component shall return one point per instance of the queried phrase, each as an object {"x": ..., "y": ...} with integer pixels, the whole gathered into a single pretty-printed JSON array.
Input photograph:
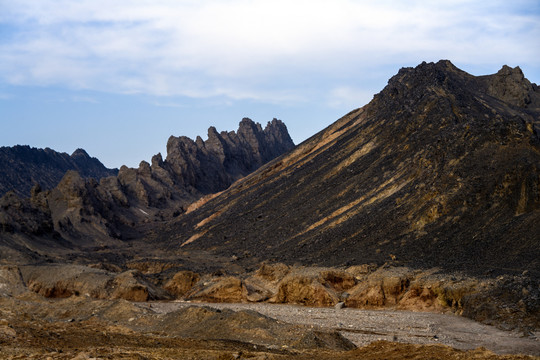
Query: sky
[{"x": 118, "y": 77}]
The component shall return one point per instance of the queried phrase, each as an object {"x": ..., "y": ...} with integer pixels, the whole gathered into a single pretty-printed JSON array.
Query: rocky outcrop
[
  {"x": 212, "y": 165},
  {"x": 505, "y": 301},
  {"x": 11, "y": 281},
  {"x": 90, "y": 212},
  {"x": 181, "y": 283},
  {"x": 75, "y": 280},
  {"x": 23, "y": 167},
  {"x": 220, "y": 289},
  {"x": 25, "y": 215},
  {"x": 511, "y": 86},
  {"x": 305, "y": 290}
]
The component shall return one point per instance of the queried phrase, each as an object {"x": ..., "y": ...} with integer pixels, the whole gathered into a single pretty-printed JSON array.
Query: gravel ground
[{"x": 365, "y": 326}]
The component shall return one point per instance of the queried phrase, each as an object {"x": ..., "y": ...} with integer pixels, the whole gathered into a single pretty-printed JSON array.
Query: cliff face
[
  {"x": 23, "y": 167},
  {"x": 88, "y": 212},
  {"x": 193, "y": 169},
  {"x": 441, "y": 168},
  {"x": 212, "y": 165}
]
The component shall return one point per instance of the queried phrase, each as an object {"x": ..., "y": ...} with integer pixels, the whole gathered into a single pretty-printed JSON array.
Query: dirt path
[{"x": 365, "y": 326}]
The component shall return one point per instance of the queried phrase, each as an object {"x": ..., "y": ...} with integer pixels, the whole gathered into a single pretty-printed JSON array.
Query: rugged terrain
[
  {"x": 426, "y": 199},
  {"x": 440, "y": 169},
  {"x": 63, "y": 325},
  {"x": 88, "y": 214},
  {"x": 23, "y": 167}
]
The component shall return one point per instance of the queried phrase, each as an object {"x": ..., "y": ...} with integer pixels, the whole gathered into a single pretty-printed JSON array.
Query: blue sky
[{"x": 117, "y": 78}]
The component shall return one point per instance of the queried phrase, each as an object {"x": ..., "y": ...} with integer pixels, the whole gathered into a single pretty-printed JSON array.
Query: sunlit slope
[{"x": 440, "y": 169}]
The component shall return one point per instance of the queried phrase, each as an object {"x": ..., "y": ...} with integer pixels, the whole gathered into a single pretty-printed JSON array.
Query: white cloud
[{"x": 244, "y": 49}]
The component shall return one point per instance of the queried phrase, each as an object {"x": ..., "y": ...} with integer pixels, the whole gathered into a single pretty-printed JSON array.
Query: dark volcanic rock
[
  {"x": 89, "y": 213},
  {"x": 23, "y": 167},
  {"x": 441, "y": 169},
  {"x": 511, "y": 86},
  {"x": 212, "y": 165}
]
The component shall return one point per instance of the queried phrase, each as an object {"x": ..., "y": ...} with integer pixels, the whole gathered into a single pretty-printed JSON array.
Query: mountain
[
  {"x": 81, "y": 213},
  {"x": 426, "y": 199},
  {"x": 23, "y": 167},
  {"x": 441, "y": 169}
]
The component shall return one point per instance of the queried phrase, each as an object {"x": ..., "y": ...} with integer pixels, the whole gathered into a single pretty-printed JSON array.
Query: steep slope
[
  {"x": 441, "y": 169},
  {"x": 23, "y": 167},
  {"x": 91, "y": 214}
]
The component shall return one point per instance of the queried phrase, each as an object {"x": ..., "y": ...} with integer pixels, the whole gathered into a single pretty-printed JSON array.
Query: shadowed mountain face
[
  {"x": 82, "y": 212},
  {"x": 441, "y": 168},
  {"x": 23, "y": 167}
]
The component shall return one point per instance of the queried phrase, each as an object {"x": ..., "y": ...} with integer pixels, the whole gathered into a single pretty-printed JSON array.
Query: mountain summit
[{"x": 441, "y": 168}]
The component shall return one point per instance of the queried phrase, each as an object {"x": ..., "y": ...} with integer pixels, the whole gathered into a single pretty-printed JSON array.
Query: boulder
[
  {"x": 11, "y": 281},
  {"x": 221, "y": 289},
  {"x": 305, "y": 290},
  {"x": 338, "y": 280},
  {"x": 181, "y": 283}
]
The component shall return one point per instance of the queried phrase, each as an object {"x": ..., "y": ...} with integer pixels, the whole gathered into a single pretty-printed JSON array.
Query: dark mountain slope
[
  {"x": 22, "y": 167},
  {"x": 441, "y": 168},
  {"x": 85, "y": 213}
]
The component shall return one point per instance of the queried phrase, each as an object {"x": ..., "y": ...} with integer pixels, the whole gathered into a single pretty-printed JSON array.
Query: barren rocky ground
[
  {"x": 363, "y": 327},
  {"x": 276, "y": 312},
  {"x": 32, "y": 327},
  {"x": 416, "y": 215}
]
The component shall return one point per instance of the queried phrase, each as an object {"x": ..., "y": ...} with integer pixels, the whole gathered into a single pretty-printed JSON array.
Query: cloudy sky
[{"x": 117, "y": 78}]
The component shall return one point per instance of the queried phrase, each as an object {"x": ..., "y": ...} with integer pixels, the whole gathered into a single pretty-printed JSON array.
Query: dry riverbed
[
  {"x": 363, "y": 327},
  {"x": 77, "y": 312}
]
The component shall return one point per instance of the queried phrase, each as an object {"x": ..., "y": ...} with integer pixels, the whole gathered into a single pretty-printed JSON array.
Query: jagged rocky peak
[
  {"x": 441, "y": 73},
  {"x": 84, "y": 210},
  {"x": 71, "y": 179},
  {"x": 80, "y": 153},
  {"x": 212, "y": 165},
  {"x": 277, "y": 131},
  {"x": 157, "y": 160},
  {"x": 275, "y": 134},
  {"x": 510, "y": 85},
  {"x": 247, "y": 126}
]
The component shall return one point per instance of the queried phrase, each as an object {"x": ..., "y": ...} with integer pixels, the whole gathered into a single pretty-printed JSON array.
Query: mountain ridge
[
  {"x": 81, "y": 213},
  {"x": 438, "y": 170},
  {"x": 24, "y": 166}
]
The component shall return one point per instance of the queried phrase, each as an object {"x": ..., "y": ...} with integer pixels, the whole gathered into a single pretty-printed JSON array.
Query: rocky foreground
[
  {"x": 104, "y": 311},
  {"x": 81, "y": 328}
]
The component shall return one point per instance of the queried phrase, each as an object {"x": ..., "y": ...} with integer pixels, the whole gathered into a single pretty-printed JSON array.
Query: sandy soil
[{"x": 363, "y": 327}]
